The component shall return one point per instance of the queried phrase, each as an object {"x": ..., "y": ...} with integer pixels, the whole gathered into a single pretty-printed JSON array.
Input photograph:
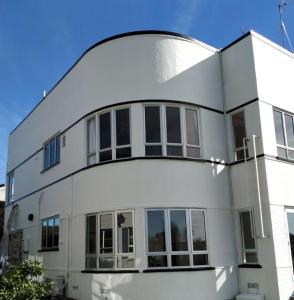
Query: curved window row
[{"x": 169, "y": 130}]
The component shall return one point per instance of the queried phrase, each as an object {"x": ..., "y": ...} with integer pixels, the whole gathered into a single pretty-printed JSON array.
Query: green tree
[{"x": 22, "y": 282}]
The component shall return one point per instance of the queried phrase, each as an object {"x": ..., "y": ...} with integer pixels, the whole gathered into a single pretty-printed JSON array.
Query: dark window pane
[
  {"x": 279, "y": 128},
  {"x": 105, "y": 130},
  {"x": 46, "y": 156},
  {"x": 193, "y": 152},
  {"x": 52, "y": 152},
  {"x": 157, "y": 261},
  {"x": 200, "y": 260},
  {"x": 174, "y": 150},
  {"x": 91, "y": 235},
  {"x": 91, "y": 262},
  {"x": 123, "y": 152},
  {"x": 58, "y": 149},
  {"x": 238, "y": 121},
  {"x": 125, "y": 232},
  {"x": 50, "y": 227},
  {"x": 246, "y": 228},
  {"x": 44, "y": 234},
  {"x": 156, "y": 231},
  {"x": 56, "y": 232},
  {"x": 251, "y": 257},
  {"x": 173, "y": 125},
  {"x": 106, "y": 234},
  {"x": 153, "y": 150},
  {"x": 289, "y": 130},
  {"x": 282, "y": 152},
  {"x": 178, "y": 227},
  {"x": 180, "y": 260},
  {"x": 152, "y": 124},
  {"x": 290, "y": 217},
  {"x": 122, "y": 127},
  {"x": 192, "y": 127},
  {"x": 106, "y": 262},
  {"x": 198, "y": 230},
  {"x": 105, "y": 155}
]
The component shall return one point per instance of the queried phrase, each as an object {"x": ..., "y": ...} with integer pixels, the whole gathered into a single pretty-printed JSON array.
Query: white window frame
[
  {"x": 163, "y": 129},
  {"x": 10, "y": 187},
  {"x": 169, "y": 253},
  {"x": 93, "y": 153}
]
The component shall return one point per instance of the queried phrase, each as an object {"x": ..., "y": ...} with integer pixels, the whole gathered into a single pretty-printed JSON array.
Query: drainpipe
[
  {"x": 38, "y": 223},
  {"x": 263, "y": 236}
]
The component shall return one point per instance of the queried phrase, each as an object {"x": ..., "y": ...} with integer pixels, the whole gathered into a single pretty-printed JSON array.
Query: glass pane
[
  {"x": 238, "y": 121},
  {"x": 279, "y": 128},
  {"x": 46, "y": 156},
  {"x": 91, "y": 262},
  {"x": 198, "y": 230},
  {"x": 251, "y": 257},
  {"x": 50, "y": 227},
  {"x": 156, "y": 231},
  {"x": 193, "y": 152},
  {"x": 91, "y": 235},
  {"x": 178, "y": 228},
  {"x": 192, "y": 127},
  {"x": 152, "y": 124},
  {"x": 200, "y": 260},
  {"x": 106, "y": 262},
  {"x": 91, "y": 159},
  {"x": 91, "y": 135},
  {"x": 153, "y": 150},
  {"x": 126, "y": 262},
  {"x": 44, "y": 234},
  {"x": 106, "y": 233},
  {"x": 282, "y": 152},
  {"x": 56, "y": 232},
  {"x": 180, "y": 260},
  {"x": 105, "y": 130},
  {"x": 125, "y": 232},
  {"x": 122, "y": 127},
  {"x": 239, "y": 155},
  {"x": 174, "y": 150},
  {"x": 52, "y": 152},
  {"x": 289, "y": 130},
  {"x": 123, "y": 152},
  {"x": 58, "y": 149},
  {"x": 290, "y": 217},
  {"x": 157, "y": 261},
  {"x": 173, "y": 125},
  {"x": 246, "y": 228},
  {"x": 291, "y": 154},
  {"x": 105, "y": 155}
]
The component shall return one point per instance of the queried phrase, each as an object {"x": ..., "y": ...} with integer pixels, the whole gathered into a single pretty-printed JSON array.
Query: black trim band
[
  {"x": 236, "y": 41},
  {"x": 242, "y": 105},
  {"x": 250, "y": 266},
  {"x": 109, "y": 271},
  {"x": 178, "y": 270}
]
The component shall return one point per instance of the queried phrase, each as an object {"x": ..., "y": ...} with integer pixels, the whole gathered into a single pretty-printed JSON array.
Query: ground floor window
[
  {"x": 15, "y": 247},
  {"x": 249, "y": 248},
  {"x": 50, "y": 233},
  {"x": 176, "y": 238},
  {"x": 110, "y": 240},
  {"x": 290, "y": 217}
]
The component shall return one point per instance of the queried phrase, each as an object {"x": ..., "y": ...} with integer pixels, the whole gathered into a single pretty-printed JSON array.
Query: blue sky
[{"x": 41, "y": 39}]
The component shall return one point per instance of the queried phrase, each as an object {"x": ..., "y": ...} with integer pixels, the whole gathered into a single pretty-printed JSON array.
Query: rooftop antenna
[{"x": 285, "y": 36}]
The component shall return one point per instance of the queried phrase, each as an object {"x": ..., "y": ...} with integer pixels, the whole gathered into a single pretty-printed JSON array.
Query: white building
[{"x": 130, "y": 177}]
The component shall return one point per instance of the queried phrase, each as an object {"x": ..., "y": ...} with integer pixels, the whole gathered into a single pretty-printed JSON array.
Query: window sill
[
  {"x": 44, "y": 170},
  {"x": 48, "y": 250},
  {"x": 250, "y": 266},
  {"x": 109, "y": 271},
  {"x": 179, "y": 269}
]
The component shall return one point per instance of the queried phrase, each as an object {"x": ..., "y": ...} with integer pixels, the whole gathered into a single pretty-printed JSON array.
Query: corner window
[
  {"x": 91, "y": 141},
  {"x": 171, "y": 131},
  {"x": 284, "y": 128},
  {"x": 249, "y": 250},
  {"x": 239, "y": 134},
  {"x": 115, "y": 235},
  {"x": 290, "y": 218},
  {"x": 10, "y": 187},
  {"x": 52, "y": 152},
  {"x": 176, "y": 238},
  {"x": 50, "y": 233}
]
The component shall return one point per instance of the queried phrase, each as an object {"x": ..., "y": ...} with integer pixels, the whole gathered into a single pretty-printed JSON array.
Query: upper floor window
[
  {"x": 10, "y": 187},
  {"x": 50, "y": 233},
  {"x": 52, "y": 152},
  {"x": 249, "y": 249},
  {"x": 176, "y": 238},
  {"x": 114, "y": 136},
  {"x": 115, "y": 236},
  {"x": 284, "y": 128},
  {"x": 171, "y": 131},
  {"x": 239, "y": 135}
]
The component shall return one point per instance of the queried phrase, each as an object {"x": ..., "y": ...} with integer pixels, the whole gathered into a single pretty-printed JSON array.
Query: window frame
[
  {"x": 11, "y": 187},
  {"x": 94, "y": 153},
  {"x": 286, "y": 147},
  {"x": 168, "y": 242},
  {"x": 55, "y": 217},
  {"x": 47, "y": 143},
  {"x": 163, "y": 130}
]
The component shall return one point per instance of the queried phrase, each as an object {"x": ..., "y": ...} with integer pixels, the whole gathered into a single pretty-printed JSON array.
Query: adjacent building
[{"x": 160, "y": 167}]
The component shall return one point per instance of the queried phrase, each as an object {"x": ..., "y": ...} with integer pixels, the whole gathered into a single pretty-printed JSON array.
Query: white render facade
[{"x": 131, "y": 182}]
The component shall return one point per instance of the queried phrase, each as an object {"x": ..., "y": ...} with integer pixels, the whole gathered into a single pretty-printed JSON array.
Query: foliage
[{"x": 22, "y": 282}]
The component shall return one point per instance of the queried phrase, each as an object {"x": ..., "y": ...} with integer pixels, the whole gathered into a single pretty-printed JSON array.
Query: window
[
  {"x": 114, "y": 136},
  {"x": 249, "y": 250},
  {"x": 10, "y": 185},
  {"x": 176, "y": 238},
  {"x": 284, "y": 128},
  {"x": 50, "y": 233},
  {"x": 171, "y": 131},
  {"x": 290, "y": 218},
  {"x": 239, "y": 134},
  {"x": 52, "y": 152},
  {"x": 115, "y": 235}
]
